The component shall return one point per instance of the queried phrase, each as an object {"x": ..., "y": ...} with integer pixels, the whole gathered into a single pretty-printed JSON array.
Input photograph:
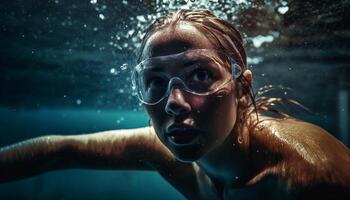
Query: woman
[{"x": 207, "y": 137}]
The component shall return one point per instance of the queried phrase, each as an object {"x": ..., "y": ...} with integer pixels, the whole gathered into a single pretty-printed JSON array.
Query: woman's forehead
[{"x": 175, "y": 39}]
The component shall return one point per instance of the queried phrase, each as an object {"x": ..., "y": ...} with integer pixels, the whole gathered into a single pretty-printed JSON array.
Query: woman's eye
[{"x": 201, "y": 75}]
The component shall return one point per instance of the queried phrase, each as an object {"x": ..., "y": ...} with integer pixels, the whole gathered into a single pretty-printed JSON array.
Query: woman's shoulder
[{"x": 306, "y": 155}]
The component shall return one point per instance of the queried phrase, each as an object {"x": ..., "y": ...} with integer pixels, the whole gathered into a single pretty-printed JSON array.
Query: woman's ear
[
  {"x": 243, "y": 91},
  {"x": 246, "y": 82},
  {"x": 248, "y": 76}
]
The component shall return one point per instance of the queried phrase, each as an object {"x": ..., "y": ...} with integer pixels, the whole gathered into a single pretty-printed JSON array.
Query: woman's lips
[{"x": 183, "y": 134}]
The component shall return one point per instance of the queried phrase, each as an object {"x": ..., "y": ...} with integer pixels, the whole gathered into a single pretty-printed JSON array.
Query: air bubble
[
  {"x": 121, "y": 91},
  {"x": 124, "y": 66},
  {"x": 141, "y": 18},
  {"x": 101, "y": 16},
  {"x": 282, "y": 10},
  {"x": 112, "y": 71}
]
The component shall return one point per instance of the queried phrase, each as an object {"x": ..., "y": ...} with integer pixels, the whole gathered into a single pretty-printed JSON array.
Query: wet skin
[{"x": 243, "y": 154}]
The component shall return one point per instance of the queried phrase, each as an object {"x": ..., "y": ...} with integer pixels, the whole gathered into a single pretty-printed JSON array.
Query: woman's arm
[
  {"x": 138, "y": 149},
  {"x": 120, "y": 149}
]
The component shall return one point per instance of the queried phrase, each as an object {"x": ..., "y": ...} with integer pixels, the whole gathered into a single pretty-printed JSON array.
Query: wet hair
[{"x": 218, "y": 31}]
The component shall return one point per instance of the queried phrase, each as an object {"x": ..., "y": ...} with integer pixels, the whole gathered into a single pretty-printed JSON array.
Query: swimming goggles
[{"x": 199, "y": 72}]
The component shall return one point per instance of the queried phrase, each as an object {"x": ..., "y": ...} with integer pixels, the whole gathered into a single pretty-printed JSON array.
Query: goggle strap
[{"x": 236, "y": 70}]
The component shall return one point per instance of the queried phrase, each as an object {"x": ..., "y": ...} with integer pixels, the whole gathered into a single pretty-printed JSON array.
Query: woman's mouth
[{"x": 183, "y": 134}]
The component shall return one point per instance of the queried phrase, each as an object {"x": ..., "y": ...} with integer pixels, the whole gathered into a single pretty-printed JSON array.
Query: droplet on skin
[
  {"x": 240, "y": 140},
  {"x": 47, "y": 140}
]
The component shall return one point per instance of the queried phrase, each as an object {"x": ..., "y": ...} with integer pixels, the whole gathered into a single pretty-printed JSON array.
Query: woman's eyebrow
[
  {"x": 190, "y": 63},
  {"x": 161, "y": 66}
]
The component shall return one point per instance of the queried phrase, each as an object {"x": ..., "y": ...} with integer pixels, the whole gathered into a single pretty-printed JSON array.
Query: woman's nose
[{"x": 176, "y": 103}]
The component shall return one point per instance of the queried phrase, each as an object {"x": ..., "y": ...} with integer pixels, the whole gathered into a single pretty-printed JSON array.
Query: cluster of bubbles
[
  {"x": 225, "y": 9},
  {"x": 123, "y": 67},
  {"x": 129, "y": 37}
]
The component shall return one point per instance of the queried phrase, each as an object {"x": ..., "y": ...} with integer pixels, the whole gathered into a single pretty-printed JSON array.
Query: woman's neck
[
  {"x": 224, "y": 163},
  {"x": 229, "y": 161},
  {"x": 233, "y": 162}
]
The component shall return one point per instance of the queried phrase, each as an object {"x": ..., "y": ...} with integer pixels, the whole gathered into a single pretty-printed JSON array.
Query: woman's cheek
[{"x": 199, "y": 102}]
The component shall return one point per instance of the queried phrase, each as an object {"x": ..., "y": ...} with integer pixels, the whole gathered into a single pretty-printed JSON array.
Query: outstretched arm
[{"x": 120, "y": 149}]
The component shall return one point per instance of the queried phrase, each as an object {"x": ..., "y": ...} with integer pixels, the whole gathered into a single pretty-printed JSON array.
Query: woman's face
[{"x": 189, "y": 125}]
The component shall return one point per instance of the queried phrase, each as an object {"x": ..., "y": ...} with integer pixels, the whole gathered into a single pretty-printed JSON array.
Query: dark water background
[{"x": 64, "y": 69}]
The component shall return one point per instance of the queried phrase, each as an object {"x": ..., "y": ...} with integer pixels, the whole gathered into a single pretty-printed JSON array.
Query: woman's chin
[
  {"x": 187, "y": 158},
  {"x": 188, "y": 154}
]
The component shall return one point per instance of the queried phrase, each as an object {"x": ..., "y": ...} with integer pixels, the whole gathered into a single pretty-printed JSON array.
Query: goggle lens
[{"x": 203, "y": 72}]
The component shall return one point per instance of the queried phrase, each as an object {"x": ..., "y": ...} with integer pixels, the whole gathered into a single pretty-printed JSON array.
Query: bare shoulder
[{"x": 308, "y": 155}]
